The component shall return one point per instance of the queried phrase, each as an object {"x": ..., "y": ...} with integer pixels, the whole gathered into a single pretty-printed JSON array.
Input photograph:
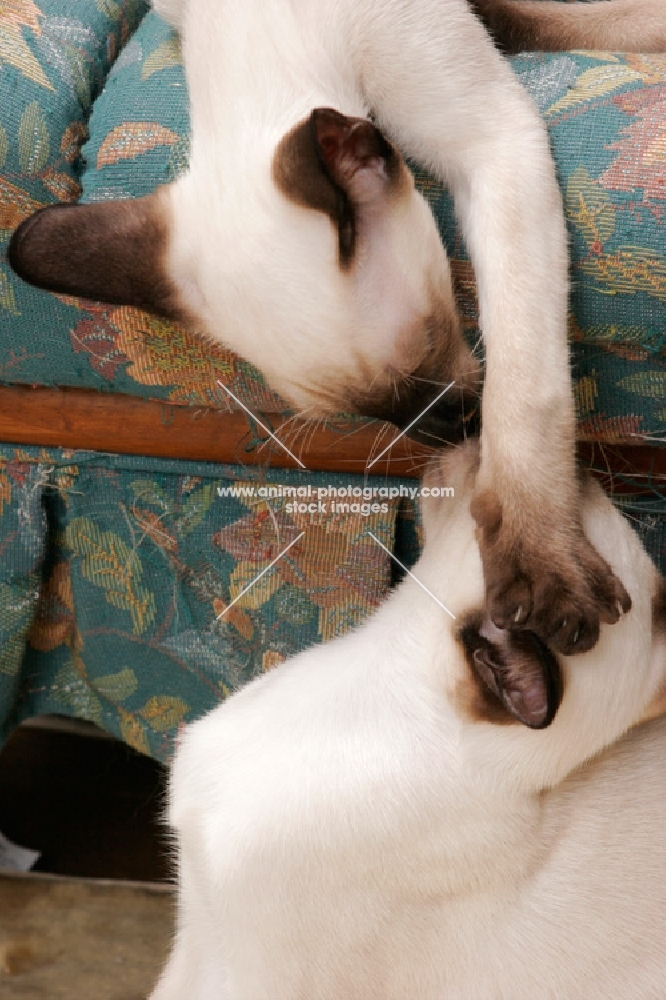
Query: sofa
[{"x": 133, "y": 453}]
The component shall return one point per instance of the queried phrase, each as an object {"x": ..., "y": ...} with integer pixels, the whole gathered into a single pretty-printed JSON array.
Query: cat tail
[{"x": 552, "y": 26}]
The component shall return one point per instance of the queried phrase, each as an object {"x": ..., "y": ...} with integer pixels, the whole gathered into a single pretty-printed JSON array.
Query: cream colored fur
[
  {"x": 261, "y": 272},
  {"x": 346, "y": 832},
  {"x": 442, "y": 92}
]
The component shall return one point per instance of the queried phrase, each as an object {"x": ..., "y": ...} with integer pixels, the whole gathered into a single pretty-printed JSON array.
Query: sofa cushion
[
  {"x": 54, "y": 59},
  {"x": 137, "y": 560},
  {"x": 606, "y": 114}
]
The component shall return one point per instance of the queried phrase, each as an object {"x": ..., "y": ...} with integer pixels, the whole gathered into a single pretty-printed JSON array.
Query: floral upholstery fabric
[
  {"x": 22, "y": 555},
  {"x": 606, "y": 114},
  {"x": 54, "y": 60},
  {"x": 116, "y": 570}
]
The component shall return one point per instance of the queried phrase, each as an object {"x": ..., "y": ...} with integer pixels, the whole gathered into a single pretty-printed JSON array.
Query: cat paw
[{"x": 551, "y": 581}]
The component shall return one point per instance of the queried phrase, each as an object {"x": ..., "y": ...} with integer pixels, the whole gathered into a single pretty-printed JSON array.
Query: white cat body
[{"x": 348, "y": 827}]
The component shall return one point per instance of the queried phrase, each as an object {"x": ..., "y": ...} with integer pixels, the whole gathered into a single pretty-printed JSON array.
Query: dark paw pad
[{"x": 558, "y": 586}]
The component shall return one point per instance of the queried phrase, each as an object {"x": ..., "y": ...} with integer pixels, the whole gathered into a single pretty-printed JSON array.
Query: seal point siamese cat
[
  {"x": 298, "y": 239},
  {"x": 374, "y": 820}
]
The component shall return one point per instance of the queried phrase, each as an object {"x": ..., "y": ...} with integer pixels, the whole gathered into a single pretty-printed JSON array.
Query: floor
[
  {"x": 97, "y": 918},
  {"x": 78, "y": 939}
]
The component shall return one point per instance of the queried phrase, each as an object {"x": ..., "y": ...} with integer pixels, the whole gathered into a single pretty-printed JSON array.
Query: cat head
[
  {"x": 521, "y": 708},
  {"x": 313, "y": 256}
]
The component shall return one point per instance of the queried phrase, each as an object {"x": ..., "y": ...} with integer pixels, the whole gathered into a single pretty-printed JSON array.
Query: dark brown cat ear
[
  {"x": 336, "y": 164},
  {"x": 112, "y": 251},
  {"x": 358, "y": 158},
  {"x": 515, "y": 669}
]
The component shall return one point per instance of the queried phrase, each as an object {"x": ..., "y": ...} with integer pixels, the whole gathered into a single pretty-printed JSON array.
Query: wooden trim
[
  {"x": 97, "y": 421},
  {"x": 128, "y": 425},
  {"x": 626, "y": 469}
]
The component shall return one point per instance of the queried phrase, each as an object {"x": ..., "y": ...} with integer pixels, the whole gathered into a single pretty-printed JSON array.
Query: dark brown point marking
[
  {"x": 511, "y": 29},
  {"x": 547, "y": 26},
  {"x": 513, "y": 676},
  {"x": 659, "y": 608},
  {"x": 111, "y": 251},
  {"x": 299, "y": 173},
  {"x": 317, "y": 163}
]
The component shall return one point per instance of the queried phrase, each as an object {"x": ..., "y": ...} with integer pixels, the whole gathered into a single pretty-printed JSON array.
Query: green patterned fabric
[
  {"x": 114, "y": 570},
  {"x": 54, "y": 60},
  {"x": 137, "y": 560},
  {"x": 22, "y": 554},
  {"x": 606, "y": 114}
]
